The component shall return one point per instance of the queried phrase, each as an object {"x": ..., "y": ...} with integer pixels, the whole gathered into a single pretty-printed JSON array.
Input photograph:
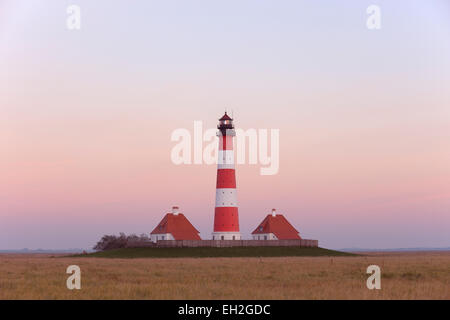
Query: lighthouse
[{"x": 226, "y": 218}]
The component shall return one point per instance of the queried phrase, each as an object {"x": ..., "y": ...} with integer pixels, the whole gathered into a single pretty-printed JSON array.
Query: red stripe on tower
[{"x": 226, "y": 218}]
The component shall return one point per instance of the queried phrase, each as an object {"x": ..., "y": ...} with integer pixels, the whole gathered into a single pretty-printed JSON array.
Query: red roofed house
[
  {"x": 275, "y": 227},
  {"x": 174, "y": 226}
]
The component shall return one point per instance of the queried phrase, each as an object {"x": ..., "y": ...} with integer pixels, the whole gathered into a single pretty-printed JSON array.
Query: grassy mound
[{"x": 204, "y": 252}]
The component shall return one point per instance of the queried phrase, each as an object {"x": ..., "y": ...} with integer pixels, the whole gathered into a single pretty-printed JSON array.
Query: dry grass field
[{"x": 412, "y": 275}]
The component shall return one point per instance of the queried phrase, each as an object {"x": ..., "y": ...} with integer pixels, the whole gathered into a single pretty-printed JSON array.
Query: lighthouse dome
[
  {"x": 225, "y": 123},
  {"x": 225, "y": 117}
]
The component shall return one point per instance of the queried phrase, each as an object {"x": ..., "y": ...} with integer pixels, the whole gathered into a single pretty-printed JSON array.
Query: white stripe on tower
[
  {"x": 226, "y": 197},
  {"x": 226, "y": 159}
]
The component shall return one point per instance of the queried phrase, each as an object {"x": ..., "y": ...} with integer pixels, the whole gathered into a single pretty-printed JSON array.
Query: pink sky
[{"x": 86, "y": 119}]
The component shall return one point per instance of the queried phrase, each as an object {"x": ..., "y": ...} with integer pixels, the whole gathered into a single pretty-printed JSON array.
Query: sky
[{"x": 86, "y": 117}]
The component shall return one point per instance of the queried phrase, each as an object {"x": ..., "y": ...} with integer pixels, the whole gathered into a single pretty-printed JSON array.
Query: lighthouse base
[{"x": 224, "y": 235}]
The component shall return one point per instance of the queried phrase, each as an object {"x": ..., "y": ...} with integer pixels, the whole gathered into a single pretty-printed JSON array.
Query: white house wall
[
  {"x": 260, "y": 236},
  {"x": 161, "y": 236}
]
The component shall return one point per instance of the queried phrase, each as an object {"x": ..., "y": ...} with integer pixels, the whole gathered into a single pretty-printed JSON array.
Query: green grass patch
[{"x": 212, "y": 252}]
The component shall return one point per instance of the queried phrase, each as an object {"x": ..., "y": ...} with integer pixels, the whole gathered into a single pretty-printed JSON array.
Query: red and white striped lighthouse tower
[{"x": 226, "y": 219}]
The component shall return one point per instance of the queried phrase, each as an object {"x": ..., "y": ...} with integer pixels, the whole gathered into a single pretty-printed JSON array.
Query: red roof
[
  {"x": 225, "y": 117},
  {"x": 179, "y": 226},
  {"x": 279, "y": 226}
]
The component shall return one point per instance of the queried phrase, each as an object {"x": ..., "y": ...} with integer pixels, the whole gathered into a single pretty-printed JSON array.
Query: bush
[{"x": 109, "y": 242}]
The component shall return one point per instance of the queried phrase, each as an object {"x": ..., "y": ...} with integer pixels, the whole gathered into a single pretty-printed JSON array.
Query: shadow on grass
[{"x": 209, "y": 252}]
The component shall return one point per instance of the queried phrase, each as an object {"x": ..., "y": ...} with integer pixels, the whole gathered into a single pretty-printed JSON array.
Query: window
[
  {"x": 265, "y": 237},
  {"x": 162, "y": 237}
]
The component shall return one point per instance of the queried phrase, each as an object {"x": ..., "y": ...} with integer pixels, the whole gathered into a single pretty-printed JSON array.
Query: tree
[{"x": 109, "y": 242}]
